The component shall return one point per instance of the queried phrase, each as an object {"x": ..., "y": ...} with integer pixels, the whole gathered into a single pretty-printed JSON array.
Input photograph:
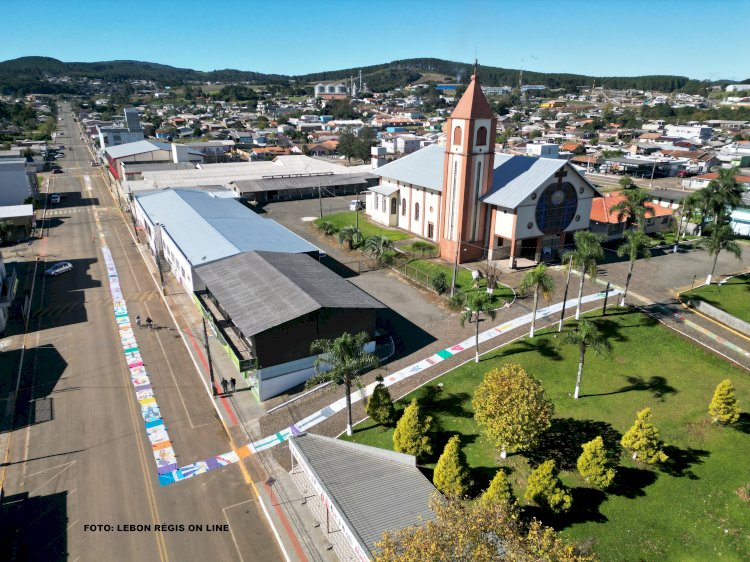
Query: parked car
[
  {"x": 356, "y": 205},
  {"x": 54, "y": 198},
  {"x": 58, "y": 268},
  {"x": 686, "y": 174},
  {"x": 57, "y": 170}
]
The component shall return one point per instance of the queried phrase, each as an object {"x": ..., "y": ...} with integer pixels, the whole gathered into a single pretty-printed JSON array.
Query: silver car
[{"x": 58, "y": 268}]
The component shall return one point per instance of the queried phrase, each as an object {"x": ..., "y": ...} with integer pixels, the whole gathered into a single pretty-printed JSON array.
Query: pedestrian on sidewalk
[
  {"x": 138, "y": 320},
  {"x": 224, "y": 385},
  {"x": 149, "y": 323},
  {"x": 233, "y": 383}
]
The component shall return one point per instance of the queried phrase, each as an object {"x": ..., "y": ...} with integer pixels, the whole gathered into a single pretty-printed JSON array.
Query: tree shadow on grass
[
  {"x": 680, "y": 461},
  {"x": 630, "y": 482},
  {"x": 565, "y": 437},
  {"x": 743, "y": 424},
  {"x": 483, "y": 475},
  {"x": 585, "y": 508},
  {"x": 543, "y": 346},
  {"x": 440, "y": 438},
  {"x": 656, "y": 385}
]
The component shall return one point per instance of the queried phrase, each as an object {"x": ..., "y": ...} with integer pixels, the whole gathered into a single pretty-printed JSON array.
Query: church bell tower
[{"x": 467, "y": 176}]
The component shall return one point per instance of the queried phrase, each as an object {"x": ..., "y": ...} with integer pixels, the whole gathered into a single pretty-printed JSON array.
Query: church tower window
[
  {"x": 482, "y": 136},
  {"x": 457, "y": 135}
]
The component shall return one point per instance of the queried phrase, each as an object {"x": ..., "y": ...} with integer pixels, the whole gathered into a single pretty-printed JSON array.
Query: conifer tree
[
  {"x": 643, "y": 440},
  {"x": 380, "y": 405},
  {"x": 411, "y": 435},
  {"x": 594, "y": 465},
  {"x": 723, "y": 407},
  {"x": 451, "y": 472},
  {"x": 499, "y": 490},
  {"x": 546, "y": 489}
]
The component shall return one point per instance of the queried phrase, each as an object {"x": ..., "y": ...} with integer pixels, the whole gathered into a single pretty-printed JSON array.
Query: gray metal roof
[
  {"x": 300, "y": 182},
  {"x": 261, "y": 290},
  {"x": 207, "y": 228},
  {"x": 515, "y": 177},
  {"x": 386, "y": 190},
  {"x": 141, "y": 147},
  {"x": 15, "y": 185},
  {"x": 376, "y": 490},
  {"x": 423, "y": 168},
  {"x": 134, "y": 167}
]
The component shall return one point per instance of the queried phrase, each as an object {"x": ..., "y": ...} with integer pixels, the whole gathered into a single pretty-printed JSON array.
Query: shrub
[
  {"x": 380, "y": 405},
  {"x": 499, "y": 490},
  {"x": 594, "y": 465},
  {"x": 411, "y": 434},
  {"x": 326, "y": 228},
  {"x": 723, "y": 408},
  {"x": 457, "y": 302},
  {"x": 439, "y": 282},
  {"x": 643, "y": 440},
  {"x": 451, "y": 472},
  {"x": 545, "y": 488}
]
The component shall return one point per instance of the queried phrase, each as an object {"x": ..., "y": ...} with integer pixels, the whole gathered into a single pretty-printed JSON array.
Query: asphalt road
[{"x": 79, "y": 455}]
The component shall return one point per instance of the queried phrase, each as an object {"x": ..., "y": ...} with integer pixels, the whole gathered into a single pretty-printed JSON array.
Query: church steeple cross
[{"x": 560, "y": 175}]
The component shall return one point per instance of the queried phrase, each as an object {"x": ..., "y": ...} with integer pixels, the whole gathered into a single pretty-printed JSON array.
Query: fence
[{"x": 415, "y": 274}]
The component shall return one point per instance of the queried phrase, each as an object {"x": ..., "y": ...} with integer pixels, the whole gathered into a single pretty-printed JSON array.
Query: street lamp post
[
  {"x": 208, "y": 355},
  {"x": 565, "y": 295},
  {"x": 455, "y": 268}
]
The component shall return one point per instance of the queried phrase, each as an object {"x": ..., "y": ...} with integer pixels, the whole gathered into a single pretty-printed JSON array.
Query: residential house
[{"x": 606, "y": 222}]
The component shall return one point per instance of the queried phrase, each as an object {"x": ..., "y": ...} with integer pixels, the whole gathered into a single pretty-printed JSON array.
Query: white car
[
  {"x": 356, "y": 205},
  {"x": 58, "y": 268}
]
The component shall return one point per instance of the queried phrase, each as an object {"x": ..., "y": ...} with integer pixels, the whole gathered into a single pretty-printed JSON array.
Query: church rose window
[
  {"x": 556, "y": 207},
  {"x": 457, "y": 135},
  {"x": 482, "y": 136}
]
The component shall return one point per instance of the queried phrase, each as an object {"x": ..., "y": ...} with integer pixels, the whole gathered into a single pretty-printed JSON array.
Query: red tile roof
[
  {"x": 473, "y": 104},
  {"x": 601, "y": 209}
]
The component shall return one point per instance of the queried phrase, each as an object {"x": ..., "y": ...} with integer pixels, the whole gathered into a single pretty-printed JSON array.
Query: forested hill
[{"x": 27, "y": 74}]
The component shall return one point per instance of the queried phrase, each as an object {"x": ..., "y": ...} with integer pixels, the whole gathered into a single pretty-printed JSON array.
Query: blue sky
[{"x": 706, "y": 39}]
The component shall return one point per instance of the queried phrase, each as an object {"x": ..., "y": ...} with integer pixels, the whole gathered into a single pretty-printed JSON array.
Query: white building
[
  {"x": 543, "y": 150},
  {"x": 698, "y": 133}
]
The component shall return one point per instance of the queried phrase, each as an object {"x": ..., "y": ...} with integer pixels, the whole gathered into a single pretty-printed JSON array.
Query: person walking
[
  {"x": 224, "y": 386},
  {"x": 233, "y": 383},
  {"x": 149, "y": 323},
  {"x": 138, "y": 320}
]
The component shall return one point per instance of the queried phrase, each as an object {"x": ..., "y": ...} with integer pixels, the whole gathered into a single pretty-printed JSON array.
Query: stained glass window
[{"x": 556, "y": 207}]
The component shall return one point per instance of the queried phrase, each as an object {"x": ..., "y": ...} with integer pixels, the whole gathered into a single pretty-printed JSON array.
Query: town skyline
[{"x": 573, "y": 37}]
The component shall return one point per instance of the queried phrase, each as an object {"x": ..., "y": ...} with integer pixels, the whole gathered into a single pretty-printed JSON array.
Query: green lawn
[
  {"x": 464, "y": 281},
  {"x": 367, "y": 228},
  {"x": 732, "y": 297},
  {"x": 669, "y": 238},
  {"x": 688, "y": 510}
]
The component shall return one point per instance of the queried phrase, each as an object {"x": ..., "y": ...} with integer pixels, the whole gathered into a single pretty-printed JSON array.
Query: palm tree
[
  {"x": 539, "y": 280},
  {"x": 636, "y": 245},
  {"x": 688, "y": 206},
  {"x": 586, "y": 336},
  {"x": 377, "y": 247},
  {"x": 587, "y": 251},
  {"x": 326, "y": 227},
  {"x": 700, "y": 201},
  {"x": 720, "y": 237},
  {"x": 351, "y": 235},
  {"x": 477, "y": 303},
  {"x": 344, "y": 358},
  {"x": 725, "y": 193},
  {"x": 633, "y": 208}
]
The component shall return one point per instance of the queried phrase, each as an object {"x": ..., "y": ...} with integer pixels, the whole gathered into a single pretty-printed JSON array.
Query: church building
[{"x": 475, "y": 202}]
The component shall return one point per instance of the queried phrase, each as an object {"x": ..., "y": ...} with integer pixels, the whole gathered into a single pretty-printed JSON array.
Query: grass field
[
  {"x": 688, "y": 509},
  {"x": 732, "y": 297},
  {"x": 367, "y": 228},
  {"x": 464, "y": 280}
]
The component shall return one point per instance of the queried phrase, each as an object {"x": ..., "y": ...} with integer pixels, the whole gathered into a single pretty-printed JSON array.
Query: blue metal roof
[{"x": 208, "y": 228}]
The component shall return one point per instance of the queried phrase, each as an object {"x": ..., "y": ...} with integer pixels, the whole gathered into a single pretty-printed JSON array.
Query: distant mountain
[{"x": 29, "y": 74}]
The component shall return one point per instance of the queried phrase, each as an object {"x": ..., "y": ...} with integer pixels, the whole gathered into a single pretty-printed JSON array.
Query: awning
[{"x": 384, "y": 189}]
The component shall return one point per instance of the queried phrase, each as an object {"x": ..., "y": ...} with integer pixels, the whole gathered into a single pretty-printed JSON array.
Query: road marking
[{"x": 35, "y": 490}]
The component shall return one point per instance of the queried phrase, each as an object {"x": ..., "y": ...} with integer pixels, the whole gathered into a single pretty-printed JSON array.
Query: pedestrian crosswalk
[
  {"x": 76, "y": 210},
  {"x": 63, "y": 309}
]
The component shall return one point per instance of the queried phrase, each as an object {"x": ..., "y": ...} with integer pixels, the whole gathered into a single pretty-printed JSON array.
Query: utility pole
[
  {"x": 455, "y": 268},
  {"x": 565, "y": 296},
  {"x": 158, "y": 244},
  {"x": 606, "y": 296},
  {"x": 208, "y": 355},
  {"x": 653, "y": 171},
  {"x": 320, "y": 201}
]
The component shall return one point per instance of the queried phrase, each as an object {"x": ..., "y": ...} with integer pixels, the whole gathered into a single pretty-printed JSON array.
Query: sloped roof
[
  {"x": 208, "y": 228},
  {"x": 601, "y": 209},
  {"x": 388, "y": 493},
  {"x": 515, "y": 177},
  {"x": 423, "y": 168},
  {"x": 141, "y": 147},
  {"x": 261, "y": 290},
  {"x": 473, "y": 104}
]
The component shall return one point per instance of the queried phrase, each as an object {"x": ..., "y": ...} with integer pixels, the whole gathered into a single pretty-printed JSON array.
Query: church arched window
[
  {"x": 403, "y": 207},
  {"x": 481, "y": 136},
  {"x": 394, "y": 205},
  {"x": 457, "y": 135},
  {"x": 416, "y": 211}
]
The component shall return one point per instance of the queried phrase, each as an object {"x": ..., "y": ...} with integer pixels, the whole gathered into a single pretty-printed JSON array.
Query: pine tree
[
  {"x": 451, "y": 472},
  {"x": 411, "y": 434},
  {"x": 499, "y": 490},
  {"x": 643, "y": 440},
  {"x": 594, "y": 465},
  {"x": 723, "y": 407},
  {"x": 546, "y": 489},
  {"x": 380, "y": 405}
]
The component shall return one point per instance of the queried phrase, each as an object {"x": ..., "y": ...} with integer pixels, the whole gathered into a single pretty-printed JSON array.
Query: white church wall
[{"x": 504, "y": 224}]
